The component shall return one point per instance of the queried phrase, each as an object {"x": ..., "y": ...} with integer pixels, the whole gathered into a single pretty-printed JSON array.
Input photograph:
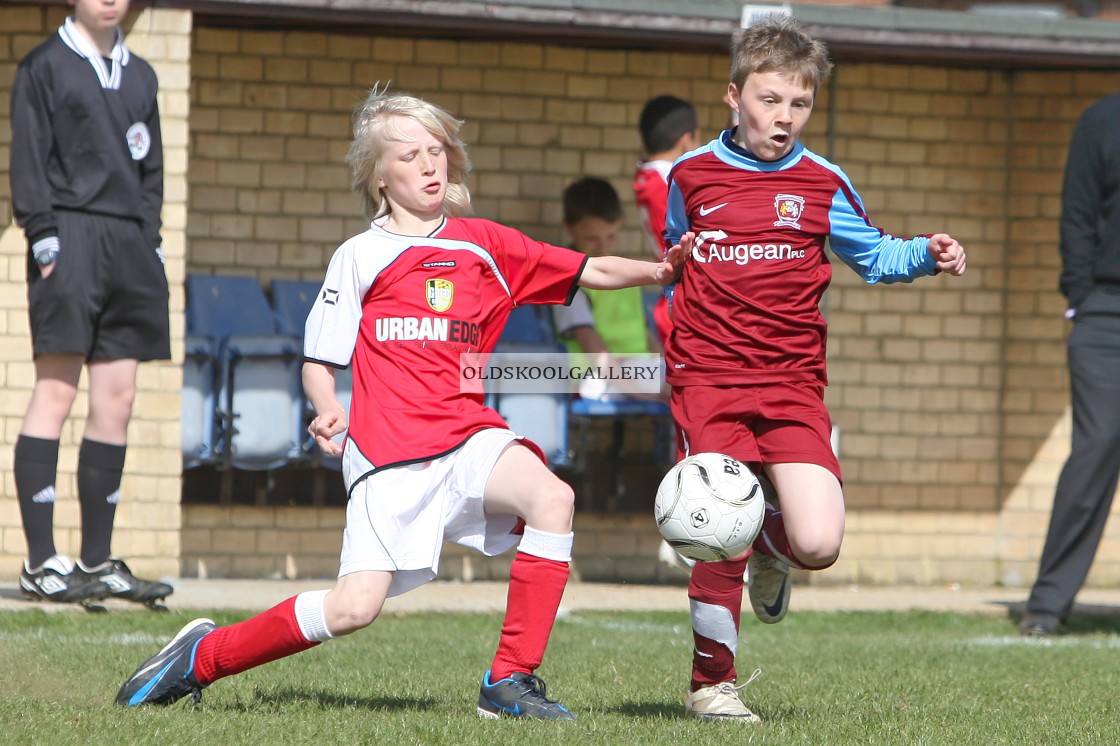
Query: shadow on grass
[
  {"x": 1089, "y": 623},
  {"x": 1084, "y": 619},
  {"x": 336, "y": 701},
  {"x": 666, "y": 710},
  {"x": 675, "y": 711},
  {"x": 12, "y": 594}
]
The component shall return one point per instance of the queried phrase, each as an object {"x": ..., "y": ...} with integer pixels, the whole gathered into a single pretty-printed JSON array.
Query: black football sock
[
  {"x": 36, "y": 465},
  {"x": 99, "y": 481}
]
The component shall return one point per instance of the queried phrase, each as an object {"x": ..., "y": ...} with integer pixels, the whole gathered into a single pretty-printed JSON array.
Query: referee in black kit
[{"x": 87, "y": 189}]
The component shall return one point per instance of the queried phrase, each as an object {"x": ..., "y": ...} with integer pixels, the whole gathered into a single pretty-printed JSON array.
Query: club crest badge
[
  {"x": 139, "y": 141},
  {"x": 439, "y": 294},
  {"x": 788, "y": 208}
]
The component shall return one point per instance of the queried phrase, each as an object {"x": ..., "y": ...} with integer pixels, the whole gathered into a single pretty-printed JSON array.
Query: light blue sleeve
[
  {"x": 676, "y": 220},
  {"x": 876, "y": 256},
  {"x": 676, "y": 225}
]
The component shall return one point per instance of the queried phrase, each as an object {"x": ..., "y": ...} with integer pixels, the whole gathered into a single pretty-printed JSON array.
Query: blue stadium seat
[
  {"x": 584, "y": 411},
  {"x": 620, "y": 411},
  {"x": 291, "y": 302},
  {"x": 259, "y": 394},
  {"x": 529, "y": 325},
  {"x": 541, "y": 417},
  {"x": 200, "y": 391}
]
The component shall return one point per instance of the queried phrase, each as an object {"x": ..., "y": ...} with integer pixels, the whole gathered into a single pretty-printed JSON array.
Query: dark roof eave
[
  {"x": 681, "y": 32},
  {"x": 968, "y": 49},
  {"x": 466, "y": 20}
]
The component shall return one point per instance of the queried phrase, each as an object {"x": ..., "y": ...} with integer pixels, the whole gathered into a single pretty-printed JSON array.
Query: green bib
[{"x": 620, "y": 319}]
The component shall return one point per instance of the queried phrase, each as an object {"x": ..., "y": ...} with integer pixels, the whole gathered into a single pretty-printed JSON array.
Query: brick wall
[
  {"x": 950, "y": 395},
  {"x": 275, "y": 542},
  {"x": 1036, "y": 427},
  {"x": 270, "y": 127},
  {"x": 148, "y": 518}
]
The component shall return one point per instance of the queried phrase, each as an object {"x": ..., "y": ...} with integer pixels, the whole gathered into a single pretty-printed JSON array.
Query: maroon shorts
[{"x": 773, "y": 423}]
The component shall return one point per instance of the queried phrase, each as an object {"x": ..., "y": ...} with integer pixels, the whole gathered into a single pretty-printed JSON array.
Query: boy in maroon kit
[
  {"x": 746, "y": 357},
  {"x": 424, "y": 460}
]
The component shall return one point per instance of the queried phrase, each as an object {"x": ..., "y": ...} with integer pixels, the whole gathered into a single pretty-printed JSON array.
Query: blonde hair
[
  {"x": 777, "y": 43},
  {"x": 374, "y": 128}
]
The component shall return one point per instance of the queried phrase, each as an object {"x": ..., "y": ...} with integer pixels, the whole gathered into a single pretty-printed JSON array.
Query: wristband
[{"x": 46, "y": 250}]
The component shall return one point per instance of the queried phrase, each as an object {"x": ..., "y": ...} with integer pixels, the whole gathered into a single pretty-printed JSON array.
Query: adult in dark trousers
[
  {"x": 1090, "y": 280},
  {"x": 87, "y": 189}
]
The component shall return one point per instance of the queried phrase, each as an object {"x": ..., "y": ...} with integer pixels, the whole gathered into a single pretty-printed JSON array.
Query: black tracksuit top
[
  {"x": 1090, "y": 222},
  {"x": 70, "y": 147}
]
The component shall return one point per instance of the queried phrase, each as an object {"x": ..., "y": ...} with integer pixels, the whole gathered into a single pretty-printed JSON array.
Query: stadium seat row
[
  {"x": 243, "y": 400},
  {"x": 545, "y": 418}
]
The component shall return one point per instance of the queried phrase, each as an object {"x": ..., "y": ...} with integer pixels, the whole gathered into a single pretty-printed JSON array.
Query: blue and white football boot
[
  {"x": 168, "y": 676},
  {"x": 521, "y": 695}
]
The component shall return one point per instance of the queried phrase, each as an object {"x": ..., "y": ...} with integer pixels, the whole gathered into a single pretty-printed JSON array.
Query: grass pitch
[{"x": 829, "y": 678}]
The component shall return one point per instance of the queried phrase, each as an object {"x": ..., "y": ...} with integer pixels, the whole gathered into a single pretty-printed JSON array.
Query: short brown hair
[
  {"x": 777, "y": 43},
  {"x": 591, "y": 197},
  {"x": 664, "y": 121}
]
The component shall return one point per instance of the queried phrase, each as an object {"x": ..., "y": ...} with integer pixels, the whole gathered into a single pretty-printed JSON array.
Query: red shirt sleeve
[
  {"x": 651, "y": 193},
  {"x": 537, "y": 272}
]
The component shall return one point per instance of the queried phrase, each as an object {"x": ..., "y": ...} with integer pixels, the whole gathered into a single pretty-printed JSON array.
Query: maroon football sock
[
  {"x": 773, "y": 542},
  {"x": 715, "y": 592}
]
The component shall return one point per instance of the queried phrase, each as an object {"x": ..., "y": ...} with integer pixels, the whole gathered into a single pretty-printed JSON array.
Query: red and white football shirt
[
  {"x": 650, "y": 192},
  {"x": 402, "y": 309}
]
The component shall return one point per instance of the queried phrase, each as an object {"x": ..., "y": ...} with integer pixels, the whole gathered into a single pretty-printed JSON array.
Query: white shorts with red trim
[{"x": 397, "y": 519}]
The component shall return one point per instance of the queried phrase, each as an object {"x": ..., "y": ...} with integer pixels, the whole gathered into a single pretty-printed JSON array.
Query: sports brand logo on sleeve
[
  {"x": 439, "y": 293},
  {"x": 139, "y": 141},
  {"x": 788, "y": 208},
  {"x": 330, "y": 297}
]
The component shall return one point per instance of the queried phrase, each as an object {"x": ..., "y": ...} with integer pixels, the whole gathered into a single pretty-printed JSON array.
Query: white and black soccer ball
[{"x": 709, "y": 507}]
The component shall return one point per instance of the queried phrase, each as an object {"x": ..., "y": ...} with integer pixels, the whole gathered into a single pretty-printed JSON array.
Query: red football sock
[
  {"x": 264, "y": 638},
  {"x": 535, "y": 588},
  {"x": 715, "y": 591}
]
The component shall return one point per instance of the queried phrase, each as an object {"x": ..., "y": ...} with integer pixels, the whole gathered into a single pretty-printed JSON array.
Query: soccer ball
[{"x": 709, "y": 507}]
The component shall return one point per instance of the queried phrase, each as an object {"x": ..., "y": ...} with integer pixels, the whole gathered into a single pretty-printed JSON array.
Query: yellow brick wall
[
  {"x": 148, "y": 519},
  {"x": 1036, "y": 427},
  {"x": 950, "y": 394},
  {"x": 916, "y": 370},
  {"x": 270, "y": 127},
  {"x": 301, "y": 543}
]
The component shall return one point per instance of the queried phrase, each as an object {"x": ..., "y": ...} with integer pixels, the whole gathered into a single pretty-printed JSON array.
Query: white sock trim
[
  {"x": 555, "y": 547},
  {"x": 311, "y": 616}
]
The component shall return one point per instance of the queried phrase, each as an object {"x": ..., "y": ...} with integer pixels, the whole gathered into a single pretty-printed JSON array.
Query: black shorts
[{"x": 107, "y": 296}]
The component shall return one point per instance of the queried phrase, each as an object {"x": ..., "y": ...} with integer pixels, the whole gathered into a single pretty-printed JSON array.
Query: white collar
[
  {"x": 110, "y": 76},
  {"x": 661, "y": 167}
]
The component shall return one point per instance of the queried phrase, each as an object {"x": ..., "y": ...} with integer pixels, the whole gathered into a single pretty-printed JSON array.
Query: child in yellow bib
[{"x": 602, "y": 324}]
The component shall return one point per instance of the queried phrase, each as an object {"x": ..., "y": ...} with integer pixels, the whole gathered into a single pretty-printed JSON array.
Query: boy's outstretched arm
[
  {"x": 330, "y": 416},
  {"x": 948, "y": 254},
  {"x": 614, "y": 272}
]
